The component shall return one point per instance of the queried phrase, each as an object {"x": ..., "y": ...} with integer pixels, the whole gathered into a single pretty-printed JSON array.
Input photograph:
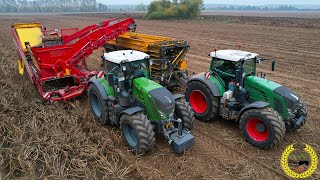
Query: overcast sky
[{"x": 244, "y": 2}]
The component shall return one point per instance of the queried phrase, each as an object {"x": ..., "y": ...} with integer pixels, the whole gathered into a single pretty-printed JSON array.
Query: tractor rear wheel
[
  {"x": 263, "y": 128},
  {"x": 185, "y": 113},
  {"x": 98, "y": 105},
  {"x": 137, "y": 132},
  {"x": 202, "y": 101}
]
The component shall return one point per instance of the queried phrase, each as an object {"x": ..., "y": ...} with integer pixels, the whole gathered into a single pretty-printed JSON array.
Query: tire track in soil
[{"x": 216, "y": 148}]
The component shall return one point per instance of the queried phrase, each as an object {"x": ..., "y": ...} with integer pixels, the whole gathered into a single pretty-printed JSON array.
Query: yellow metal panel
[{"x": 29, "y": 33}]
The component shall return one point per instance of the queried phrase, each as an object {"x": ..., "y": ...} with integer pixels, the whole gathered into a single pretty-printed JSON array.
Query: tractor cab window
[
  {"x": 249, "y": 67},
  {"x": 225, "y": 69},
  {"x": 112, "y": 68},
  {"x": 135, "y": 69}
]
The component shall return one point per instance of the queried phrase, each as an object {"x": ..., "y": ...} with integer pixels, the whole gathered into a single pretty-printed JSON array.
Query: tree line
[
  {"x": 164, "y": 9},
  {"x": 260, "y": 8},
  {"x": 51, "y": 6}
]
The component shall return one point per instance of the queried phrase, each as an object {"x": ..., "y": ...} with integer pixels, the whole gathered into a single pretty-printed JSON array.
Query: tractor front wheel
[
  {"x": 185, "y": 113},
  {"x": 137, "y": 132},
  {"x": 263, "y": 128},
  {"x": 98, "y": 105},
  {"x": 202, "y": 101}
]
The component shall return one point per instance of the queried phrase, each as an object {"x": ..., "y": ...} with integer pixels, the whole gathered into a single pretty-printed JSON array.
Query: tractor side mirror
[
  {"x": 273, "y": 66},
  {"x": 238, "y": 77}
]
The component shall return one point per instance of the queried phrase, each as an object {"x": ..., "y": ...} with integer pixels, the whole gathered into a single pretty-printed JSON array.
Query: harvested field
[{"x": 63, "y": 141}]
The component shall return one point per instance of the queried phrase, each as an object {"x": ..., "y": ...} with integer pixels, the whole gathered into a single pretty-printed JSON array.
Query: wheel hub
[
  {"x": 257, "y": 129},
  {"x": 130, "y": 135},
  {"x": 261, "y": 127},
  {"x": 198, "y": 101},
  {"x": 95, "y": 104}
]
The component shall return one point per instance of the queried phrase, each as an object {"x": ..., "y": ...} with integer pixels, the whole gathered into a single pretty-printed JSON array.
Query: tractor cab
[
  {"x": 128, "y": 64},
  {"x": 225, "y": 63}
]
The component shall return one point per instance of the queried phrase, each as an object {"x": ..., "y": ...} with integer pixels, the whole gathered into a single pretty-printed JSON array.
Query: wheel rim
[
  {"x": 198, "y": 101},
  {"x": 257, "y": 130},
  {"x": 95, "y": 104},
  {"x": 130, "y": 135}
]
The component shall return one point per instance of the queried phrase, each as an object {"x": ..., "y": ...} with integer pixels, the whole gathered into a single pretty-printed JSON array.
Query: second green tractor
[{"x": 233, "y": 90}]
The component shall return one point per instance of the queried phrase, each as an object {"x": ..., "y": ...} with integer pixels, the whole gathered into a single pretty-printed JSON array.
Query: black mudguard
[
  {"x": 201, "y": 77},
  {"x": 131, "y": 111},
  {"x": 255, "y": 105},
  {"x": 178, "y": 96},
  {"x": 102, "y": 91}
]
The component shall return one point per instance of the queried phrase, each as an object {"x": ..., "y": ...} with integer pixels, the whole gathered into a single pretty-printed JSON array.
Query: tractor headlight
[
  {"x": 124, "y": 68},
  {"x": 162, "y": 114}
]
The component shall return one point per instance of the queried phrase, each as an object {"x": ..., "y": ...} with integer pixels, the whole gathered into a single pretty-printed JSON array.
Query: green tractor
[
  {"x": 232, "y": 89},
  {"x": 123, "y": 95}
]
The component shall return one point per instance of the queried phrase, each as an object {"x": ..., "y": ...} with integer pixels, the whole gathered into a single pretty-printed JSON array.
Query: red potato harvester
[{"x": 55, "y": 60}]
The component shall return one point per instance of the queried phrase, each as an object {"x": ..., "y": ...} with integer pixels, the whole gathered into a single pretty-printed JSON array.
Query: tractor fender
[
  {"x": 255, "y": 105},
  {"x": 212, "y": 87},
  {"x": 131, "y": 111},
  {"x": 177, "y": 96},
  {"x": 97, "y": 83}
]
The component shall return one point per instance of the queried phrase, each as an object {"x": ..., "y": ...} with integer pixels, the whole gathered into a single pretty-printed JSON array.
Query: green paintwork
[
  {"x": 107, "y": 87},
  {"x": 141, "y": 87},
  {"x": 220, "y": 84},
  {"x": 261, "y": 89}
]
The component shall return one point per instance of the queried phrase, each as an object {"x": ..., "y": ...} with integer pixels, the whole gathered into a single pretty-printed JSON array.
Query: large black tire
[
  {"x": 263, "y": 128},
  {"x": 137, "y": 132},
  {"x": 185, "y": 113},
  {"x": 202, "y": 101},
  {"x": 98, "y": 106}
]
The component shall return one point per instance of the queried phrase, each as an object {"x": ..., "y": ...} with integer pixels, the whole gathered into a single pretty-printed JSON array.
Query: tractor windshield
[
  {"x": 136, "y": 67},
  {"x": 225, "y": 69}
]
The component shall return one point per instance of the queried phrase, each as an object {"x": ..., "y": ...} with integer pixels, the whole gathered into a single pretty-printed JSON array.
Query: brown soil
[{"x": 60, "y": 141}]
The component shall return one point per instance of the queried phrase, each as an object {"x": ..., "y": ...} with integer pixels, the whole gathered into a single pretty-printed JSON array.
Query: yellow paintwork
[
  {"x": 183, "y": 65},
  {"x": 29, "y": 33},
  {"x": 150, "y": 44},
  {"x": 67, "y": 72},
  {"x": 21, "y": 66},
  {"x": 142, "y": 42}
]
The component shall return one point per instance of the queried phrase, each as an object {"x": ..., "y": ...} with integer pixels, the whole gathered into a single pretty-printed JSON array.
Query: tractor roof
[
  {"x": 129, "y": 55},
  {"x": 233, "y": 55}
]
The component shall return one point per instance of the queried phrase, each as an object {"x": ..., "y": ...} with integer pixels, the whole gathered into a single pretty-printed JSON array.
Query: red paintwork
[
  {"x": 253, "y": 132},
  {"x": 69, "y": 58},
  {"x": 198, "y": 101}
]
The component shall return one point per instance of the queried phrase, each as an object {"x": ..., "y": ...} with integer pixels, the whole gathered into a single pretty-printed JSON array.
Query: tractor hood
[
  {"x": 260, "y": 88},
  {"x": 157, "y": 100},
  {"x": 164, "y": 100},
  {"x": 264, "y": 88},
  {"x": 289, "y": 96}
]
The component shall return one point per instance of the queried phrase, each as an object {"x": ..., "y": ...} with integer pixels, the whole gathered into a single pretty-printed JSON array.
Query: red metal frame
[{"x": 69, "y": 59}]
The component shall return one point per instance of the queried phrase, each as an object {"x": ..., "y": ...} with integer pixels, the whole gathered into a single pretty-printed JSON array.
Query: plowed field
[{"x": 60, "y": 141}]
